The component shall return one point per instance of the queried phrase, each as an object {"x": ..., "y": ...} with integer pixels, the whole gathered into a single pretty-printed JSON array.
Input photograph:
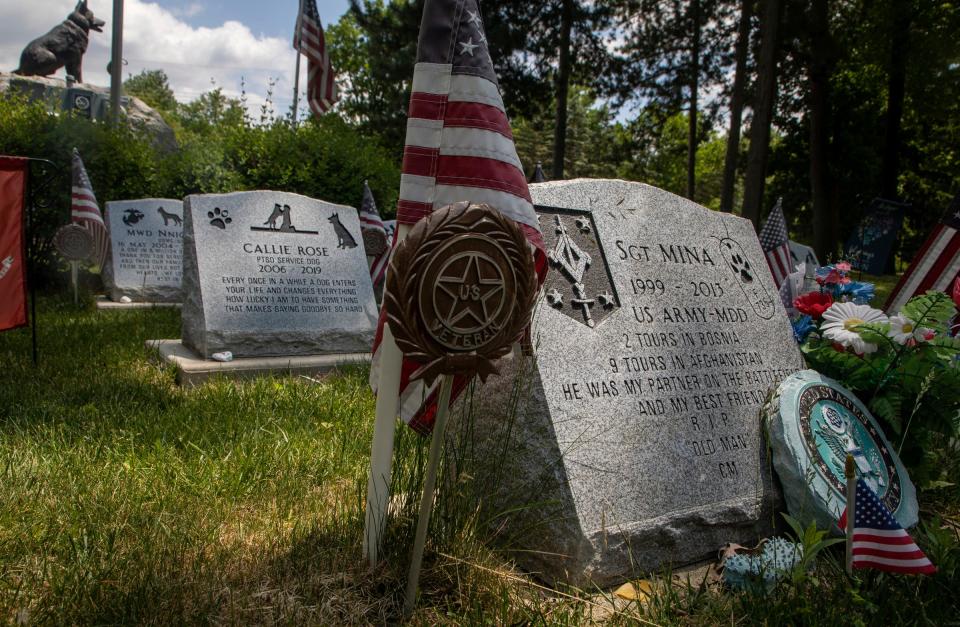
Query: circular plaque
[
  {"x": 460, "y": 290},
  {"x": 814, "y": 422},
  {"x": 73, "y": 242}
]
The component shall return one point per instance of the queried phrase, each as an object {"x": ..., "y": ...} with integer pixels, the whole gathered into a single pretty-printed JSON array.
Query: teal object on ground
[
  {"x": 775, "y": 561},
  {"x": 813, "y": 422}
]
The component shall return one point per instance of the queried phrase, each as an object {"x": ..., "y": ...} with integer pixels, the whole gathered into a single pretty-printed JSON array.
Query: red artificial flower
[{"x": 813, "y": 304}]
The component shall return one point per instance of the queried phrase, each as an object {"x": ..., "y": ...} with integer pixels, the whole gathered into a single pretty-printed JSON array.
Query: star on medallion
[
  {"x": 606, "y": 299},
  {"x": 461, "y": 306},
  {"x": 468, "y": 46},
  {"x": 583, "y": 225},
  {"x": 554, "y": 297}
]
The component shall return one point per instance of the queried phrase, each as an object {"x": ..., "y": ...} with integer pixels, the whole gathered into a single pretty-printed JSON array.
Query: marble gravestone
[
  {"x": 146, "y": 250},
  {"x": 274, "y": 274},
  {"x": 631, "y": 439}
]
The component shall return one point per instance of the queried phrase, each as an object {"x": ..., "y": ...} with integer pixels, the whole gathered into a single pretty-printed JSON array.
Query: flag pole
[
  {"x": 296, "y": 72},
  {"x": 429, "y": 486},
  {"x": 851, "y": 476},
  {"x": 381, "y": 450},
  {"x": 116, "y": 62}
]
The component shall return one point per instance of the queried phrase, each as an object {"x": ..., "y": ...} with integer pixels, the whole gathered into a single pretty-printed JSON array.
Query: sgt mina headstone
[
  {"x": 636, "y": 440},
  {"x": 146, "y": 250},
  {"x": 274, "y": 274}
]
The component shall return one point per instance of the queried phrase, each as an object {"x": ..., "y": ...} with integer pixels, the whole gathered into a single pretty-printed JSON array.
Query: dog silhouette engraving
[
  {"x": 169, "y": 217},
  {"x": 344, "y": 239}
]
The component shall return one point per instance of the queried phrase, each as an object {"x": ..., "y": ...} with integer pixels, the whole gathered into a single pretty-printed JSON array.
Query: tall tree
[
  {"x": 694, "y": 75},
  {"x": 821, "y": 65},
  {"x": 737, "y": 93},
  {"x": 900, "y": 20},
  {"x": 563, "y": 84},
  {"x": 762, "y": 112}
]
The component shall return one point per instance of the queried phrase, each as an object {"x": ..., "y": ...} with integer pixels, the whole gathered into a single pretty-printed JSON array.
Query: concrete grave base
[
  {"x": 194, "y": 370},
  {"x": 105, "y": 303}
]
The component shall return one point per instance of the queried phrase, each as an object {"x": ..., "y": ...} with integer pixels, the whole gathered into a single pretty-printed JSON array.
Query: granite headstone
[
  {"x": 146, "y": 250},
  {"x": 631, "y": 439},
  {"x": 814, "y": 422},
  {"x": 272, "y": 274}
]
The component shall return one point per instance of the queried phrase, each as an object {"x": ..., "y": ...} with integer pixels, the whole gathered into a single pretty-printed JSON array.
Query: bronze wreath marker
[{"x": 460, "y": 291}]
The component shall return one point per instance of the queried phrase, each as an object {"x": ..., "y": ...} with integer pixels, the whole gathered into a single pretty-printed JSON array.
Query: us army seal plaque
[{"x": 460, "y": 290}]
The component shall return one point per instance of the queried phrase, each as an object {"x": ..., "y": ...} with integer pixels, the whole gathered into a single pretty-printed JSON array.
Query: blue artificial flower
[
  {"x": 859, "y": 292},
  {"x": 802, "y": 327}
]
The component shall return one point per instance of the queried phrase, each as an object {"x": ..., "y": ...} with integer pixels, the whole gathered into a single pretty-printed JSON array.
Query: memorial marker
[
  {"x": 146, "y": 250},
  {"x": 637, "y": 440},
  {"x": 274, "y": 274}
]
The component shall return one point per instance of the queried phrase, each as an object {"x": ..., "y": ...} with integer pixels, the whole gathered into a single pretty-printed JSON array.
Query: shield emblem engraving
[{"x": 579, "y": 283}]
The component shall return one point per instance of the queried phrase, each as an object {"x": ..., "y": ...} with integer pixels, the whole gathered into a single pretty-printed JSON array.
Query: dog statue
[{"x": 63, "y": 46}]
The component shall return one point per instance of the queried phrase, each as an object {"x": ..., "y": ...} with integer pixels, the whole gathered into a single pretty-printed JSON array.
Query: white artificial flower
[
  {"x": 903, "y": 329},
  {"x": 841, "y": 319}
]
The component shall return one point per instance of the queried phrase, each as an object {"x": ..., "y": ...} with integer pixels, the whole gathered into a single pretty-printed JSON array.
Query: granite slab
[{"x": 146, "y": 250}]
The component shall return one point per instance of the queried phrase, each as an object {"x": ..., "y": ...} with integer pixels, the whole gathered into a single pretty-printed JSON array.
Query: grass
[{"x": 126, "y": 499}]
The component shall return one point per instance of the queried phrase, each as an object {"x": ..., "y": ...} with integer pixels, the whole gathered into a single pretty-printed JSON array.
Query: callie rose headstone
[
  {"x": 636, "y": 436},
  {"x": 274, "y": 273}
]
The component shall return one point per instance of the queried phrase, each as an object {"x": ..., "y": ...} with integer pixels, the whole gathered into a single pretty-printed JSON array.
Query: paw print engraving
[
  {"x": 739, "y": 264},
  {"x": 219, "y": 218}
]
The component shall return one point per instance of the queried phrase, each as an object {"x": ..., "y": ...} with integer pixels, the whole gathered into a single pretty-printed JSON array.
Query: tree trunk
[
  {"x": 563, "y": 85},
  {"x": 901, "y": 17},
  {"x": 821, "y": 68},
  {"x": 692, "y": 136},
  {"x": 736, "y": 109},
  {"x": 762, "y": 113}
]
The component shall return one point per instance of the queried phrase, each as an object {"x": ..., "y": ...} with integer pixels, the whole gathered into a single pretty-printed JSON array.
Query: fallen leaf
[{"x": 639, "y": 590}]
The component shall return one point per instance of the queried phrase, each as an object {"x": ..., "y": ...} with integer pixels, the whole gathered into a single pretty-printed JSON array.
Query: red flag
[
  {"x": 13, "y": 258},
  {"x": 459, "y": 147}
]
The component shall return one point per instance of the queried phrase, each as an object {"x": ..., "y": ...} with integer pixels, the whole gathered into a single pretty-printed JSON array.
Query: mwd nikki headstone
[
  {"x": 636, "y": 440},
  {"x": 272, "y": 273},
  {"x": 146, "y": 250}
]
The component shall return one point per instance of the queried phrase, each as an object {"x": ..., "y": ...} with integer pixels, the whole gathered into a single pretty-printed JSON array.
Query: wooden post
[
  {"x": 851, "y": 475},
  {"x": 381, "y": 451},
  {"x": 429, "y": 486},
  {"x": 116, "y": 62}
]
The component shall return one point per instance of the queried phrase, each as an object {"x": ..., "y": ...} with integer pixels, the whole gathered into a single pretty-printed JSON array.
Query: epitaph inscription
[
  {"x": 272, "y": 273},
  {"x": 643, "y": 428},
  {"x": 146, "y": 249}
]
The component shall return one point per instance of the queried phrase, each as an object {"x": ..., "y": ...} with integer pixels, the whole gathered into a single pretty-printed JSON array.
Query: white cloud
[
  {"x": 156, "y": 38},
  {"x": 192, "y": 9}
]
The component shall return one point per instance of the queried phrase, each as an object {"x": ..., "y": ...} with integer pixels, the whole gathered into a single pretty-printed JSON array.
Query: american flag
[
  {"x": 85, "y": 211},
  {"x": 370, "y": 221},
  {"x": 936, "y": 266},
  {"x": 459, "y": 147},
  {"x": 878, "y": 539},
  {"x": 776, "y": 244},
  {"x": 308, "y": 40}
]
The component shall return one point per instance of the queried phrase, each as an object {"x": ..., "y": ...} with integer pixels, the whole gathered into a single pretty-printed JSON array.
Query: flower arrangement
[{"x": 905, "y": 367}]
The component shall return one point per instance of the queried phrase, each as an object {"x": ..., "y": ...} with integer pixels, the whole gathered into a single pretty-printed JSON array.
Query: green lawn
[{"x": 125, "y": 499}]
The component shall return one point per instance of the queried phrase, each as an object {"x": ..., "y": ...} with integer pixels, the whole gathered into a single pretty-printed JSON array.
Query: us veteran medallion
[
  {"x": 814, "y": 424},
  {"x": 460, "y": 290}
]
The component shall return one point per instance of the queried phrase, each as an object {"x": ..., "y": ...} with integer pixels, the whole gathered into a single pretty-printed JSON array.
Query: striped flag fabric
[
  {"x": 85, "y": 211},
  {"x": 459, "y": 147},
  {"x": 373, "y": 229},
  {"x": 776, "y": 244},
  {"x": 878, "y": 539},
  {"x": 308, "y": 40},
  {"x": 937, "y": 264}
]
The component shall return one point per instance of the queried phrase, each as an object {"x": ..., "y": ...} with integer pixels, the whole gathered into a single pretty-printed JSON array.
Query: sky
[{"x": 198, "y": 44}]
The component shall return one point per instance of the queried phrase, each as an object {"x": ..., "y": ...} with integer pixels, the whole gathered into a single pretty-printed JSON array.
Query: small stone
[{"x": 222, "y": 356}]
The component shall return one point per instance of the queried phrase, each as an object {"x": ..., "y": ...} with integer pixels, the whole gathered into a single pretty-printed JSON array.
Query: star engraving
[
  {"x": 554, "y": 297},
  {"x": 470, "y": 294},
  {"x": 606, "y": 299},
  {"x": 583, "y": 225},
  {"x": 468, "y": 46}
]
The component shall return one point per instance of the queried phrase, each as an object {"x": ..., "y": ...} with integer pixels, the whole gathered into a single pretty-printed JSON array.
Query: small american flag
[
  {"x": 370, "y": 220},
  {"x": 85, "y": 211},
  {"x": 936, "y": 266},
  {"x": 459, "y": 147},
  {"x": 308, "y": 40},
  {"x": 878, "y": 539},
  {"x": 776, "y": 244}
]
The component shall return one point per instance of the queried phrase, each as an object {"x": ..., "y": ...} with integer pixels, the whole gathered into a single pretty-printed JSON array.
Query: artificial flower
[
  {"x": 813, "y": 303},
  {"x": 841, "y": 321},
  {"x": 858, "y": 292},
  {"x": 903, "y": 329},
  {"x": 828, "y": 275},
  {"x": 842, "y": 266},
  {"x": 802, "y": 327}
]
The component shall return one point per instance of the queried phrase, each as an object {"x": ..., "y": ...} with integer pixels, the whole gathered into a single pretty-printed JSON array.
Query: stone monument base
[
  {"x": 194, "y": 370},
  {"x": 105, "y": 303}
]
